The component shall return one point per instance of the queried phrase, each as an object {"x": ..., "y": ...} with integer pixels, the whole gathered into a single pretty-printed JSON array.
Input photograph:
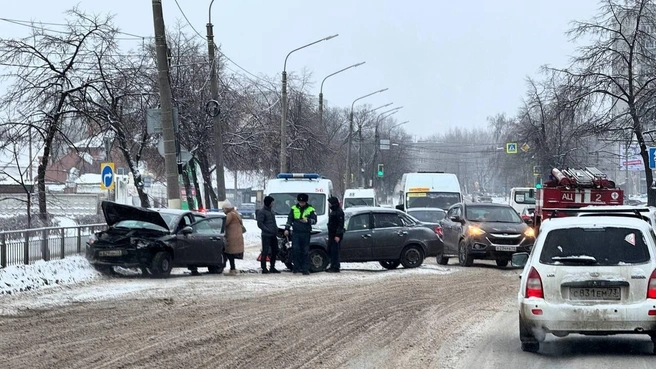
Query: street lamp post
[
  {"x": 377, "y": 142},
  {"x": 321, "y": 90},
  {"x": 219, "y": 158},
  {"x": 283, "y": 119},
  {"x": 350, "y": 137}
]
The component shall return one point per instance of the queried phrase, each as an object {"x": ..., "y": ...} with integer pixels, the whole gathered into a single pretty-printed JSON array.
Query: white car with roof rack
[{"x": 588, "y": 275}]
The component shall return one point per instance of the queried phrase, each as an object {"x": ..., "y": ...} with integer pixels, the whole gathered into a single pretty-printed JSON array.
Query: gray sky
[{"x": 449, "y": 63}]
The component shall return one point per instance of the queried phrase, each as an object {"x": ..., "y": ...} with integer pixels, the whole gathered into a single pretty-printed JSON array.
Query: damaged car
[{"x": 156, "y": 241}]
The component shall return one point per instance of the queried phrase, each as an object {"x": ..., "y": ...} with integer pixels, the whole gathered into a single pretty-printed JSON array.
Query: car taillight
[
  {"x": 439, "y": 231},
  {"x": 534, "y": 284},
  {"x": 651, "y": 287}
]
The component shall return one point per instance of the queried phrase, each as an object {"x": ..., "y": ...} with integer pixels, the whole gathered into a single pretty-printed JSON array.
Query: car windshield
[
  {"x": 357, "y": 201},
  {"x": 170, "y": 219},
  {"x": 428, "y": 216},
  {"x": 284, "y": 202},
  {"x": 596, "y": 246},
  {"x": 500, "y": 214},
  {"x": 442, "y": 200},
  {"x": 137, "y": 224}
]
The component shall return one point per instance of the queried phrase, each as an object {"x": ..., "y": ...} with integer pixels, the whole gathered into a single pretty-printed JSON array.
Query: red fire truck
[{"x": 570, "y": 189}]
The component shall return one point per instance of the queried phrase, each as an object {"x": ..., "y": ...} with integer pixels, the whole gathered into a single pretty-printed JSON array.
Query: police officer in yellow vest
[{"x": 301, "y": 218}]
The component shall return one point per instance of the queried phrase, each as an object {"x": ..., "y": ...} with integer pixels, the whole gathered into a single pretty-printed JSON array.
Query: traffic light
[
  {"x": 381, "y": 170},
  {"x": 538, "y": 185}
]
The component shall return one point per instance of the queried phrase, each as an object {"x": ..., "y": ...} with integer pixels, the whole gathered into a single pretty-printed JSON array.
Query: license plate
[
  {"x": 110, "y": 253},
  {"x": 605, "y": 293},
  {"x": 506, "y": 248}
]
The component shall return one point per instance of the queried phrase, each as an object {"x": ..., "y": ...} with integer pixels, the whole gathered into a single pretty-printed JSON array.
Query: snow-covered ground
[{"x": 63, "y": 274}]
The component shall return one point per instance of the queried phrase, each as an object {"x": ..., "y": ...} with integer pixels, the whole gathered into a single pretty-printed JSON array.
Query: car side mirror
[
  {"x": 519, "y": 259},
  {"x": 187, "y": 230},
  {"x": 531, "y": 193},
  {"x": 456, "y": 218},
  {"x": 399, "y": 207}
]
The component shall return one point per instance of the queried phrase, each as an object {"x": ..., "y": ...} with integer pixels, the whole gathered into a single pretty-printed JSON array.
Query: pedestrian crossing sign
[{"x": 511, "y": 148}]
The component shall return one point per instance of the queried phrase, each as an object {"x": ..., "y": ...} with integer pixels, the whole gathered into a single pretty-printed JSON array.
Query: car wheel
[
  {"x": 412, "y": 257},
  {"x": 390, "y": 264},
  {"x": 441, "y": 260},
  {"x": 502, "y": 263},
  {"x": 531, "y": 346},
  {"x": 162, "y": 264},
  {"x": 463, "y": 257},
  {"x": 215, "y": 269},
  {"x": 527, "y": 338},
  {"x": 318, "y": 260}
]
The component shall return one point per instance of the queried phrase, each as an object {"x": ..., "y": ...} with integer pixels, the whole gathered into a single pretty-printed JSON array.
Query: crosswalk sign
[{"x": 511, "y": 148}]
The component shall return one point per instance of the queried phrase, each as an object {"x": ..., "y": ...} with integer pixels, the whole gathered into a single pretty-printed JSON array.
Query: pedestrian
[
  {"x": 300, "y": 219},
  {"x": 335, "y": 233},
  {"x": 234, "y": 238},
  {"x": 266, "y": 221}
]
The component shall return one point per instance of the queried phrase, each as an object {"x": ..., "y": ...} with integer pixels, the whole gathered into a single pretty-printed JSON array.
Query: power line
[
  {"x": 215, "y": 46},
  {"x": 30, "y": 24}
]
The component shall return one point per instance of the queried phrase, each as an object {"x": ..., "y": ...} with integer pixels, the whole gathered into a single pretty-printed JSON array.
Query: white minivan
[
  {"x": 286, "y": 187},
  {"x": 359, "y": 197},
  {"x": 590, "y": 275}
]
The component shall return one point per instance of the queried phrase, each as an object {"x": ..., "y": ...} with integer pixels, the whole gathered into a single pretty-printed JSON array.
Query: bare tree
[
  {"x": 618, "y": 69},
  {"x": 49, "y": 70}
]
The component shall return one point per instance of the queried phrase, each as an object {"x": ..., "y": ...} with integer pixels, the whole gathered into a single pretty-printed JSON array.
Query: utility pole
[
  {"x": 374, "y": 167},
  {"x": 170, "y": 160},
  {"x": 218, "y": 127},
  {"x": 360, "y": 160}
]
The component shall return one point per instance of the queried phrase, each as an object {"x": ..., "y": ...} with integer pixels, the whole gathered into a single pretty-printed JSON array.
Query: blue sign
[
  {"x": 511, "y": 148},
  {"x": 107, "y": 176},
  {"x": 652, "y": 158}
]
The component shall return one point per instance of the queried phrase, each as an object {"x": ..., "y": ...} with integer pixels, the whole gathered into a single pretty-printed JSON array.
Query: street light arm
[
  {"x": 339, "y": 71},
  {"x": 362, "y": 97},
  {"x": 284, "y": 68},
  {"x": 210, "y": 13}
]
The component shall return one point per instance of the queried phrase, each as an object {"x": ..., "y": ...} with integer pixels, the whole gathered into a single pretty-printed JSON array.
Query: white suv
[{"x": 588, "y": 275}]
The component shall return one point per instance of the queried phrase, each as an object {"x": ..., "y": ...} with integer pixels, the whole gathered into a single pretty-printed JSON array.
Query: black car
[
  {"x": 156, "y": 240},
  {"x": 427, "y": 215},
  {"x": 484, "y": 231},
  {"x": 388, "y": 236}
]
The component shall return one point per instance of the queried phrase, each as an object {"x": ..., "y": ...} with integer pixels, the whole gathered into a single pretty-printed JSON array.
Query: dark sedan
[
  {"x": 388, "y": 236},
  {"x": 484, "y": 231},
  {"x": 156, "y": 240}
]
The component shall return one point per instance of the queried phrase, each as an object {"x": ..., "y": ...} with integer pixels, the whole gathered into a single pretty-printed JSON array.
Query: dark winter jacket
[
  {"x": 266, "y": 221},
  {"x": 295, "y": 216},
  {"x": 336, "y": 222}
]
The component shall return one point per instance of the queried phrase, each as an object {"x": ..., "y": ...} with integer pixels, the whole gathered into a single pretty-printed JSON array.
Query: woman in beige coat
[{"x": 234, "y": 238}]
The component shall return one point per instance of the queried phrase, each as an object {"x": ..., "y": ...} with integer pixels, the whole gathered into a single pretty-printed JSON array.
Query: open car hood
[{"x": 115, "y": 213}]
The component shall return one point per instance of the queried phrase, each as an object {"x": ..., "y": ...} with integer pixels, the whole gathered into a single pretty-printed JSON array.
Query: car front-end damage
[{"x": 131, "y": 249}]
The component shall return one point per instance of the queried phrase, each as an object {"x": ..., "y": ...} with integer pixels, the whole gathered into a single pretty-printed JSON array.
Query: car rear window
[{"x": 595, "y": 246}]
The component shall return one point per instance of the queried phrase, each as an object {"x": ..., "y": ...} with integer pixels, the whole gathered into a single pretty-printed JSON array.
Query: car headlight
[
  {"x": 475, "y": 231},
  {"x": 530, "y": 233},
  {"x": 139, "y": 243}
]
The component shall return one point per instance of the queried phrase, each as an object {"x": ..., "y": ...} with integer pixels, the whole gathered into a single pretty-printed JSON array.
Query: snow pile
[{"x": 20, "y": 278}]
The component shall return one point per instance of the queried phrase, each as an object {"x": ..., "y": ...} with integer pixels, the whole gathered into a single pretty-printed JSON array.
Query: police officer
[
  {"x": 335, "y": 233},
  {"x": 301, "y": 218}
]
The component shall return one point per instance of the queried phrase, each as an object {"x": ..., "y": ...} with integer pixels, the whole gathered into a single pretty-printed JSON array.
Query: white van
[
  {"x": 429, "y": 190},
  {"x": 286, "y": 187},
  {"x": 359, "y": 197},
  {"x": 521, "y": 198}
]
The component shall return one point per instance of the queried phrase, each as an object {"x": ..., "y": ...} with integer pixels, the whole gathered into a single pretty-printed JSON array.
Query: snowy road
[{"x": 430, "y": 317}]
